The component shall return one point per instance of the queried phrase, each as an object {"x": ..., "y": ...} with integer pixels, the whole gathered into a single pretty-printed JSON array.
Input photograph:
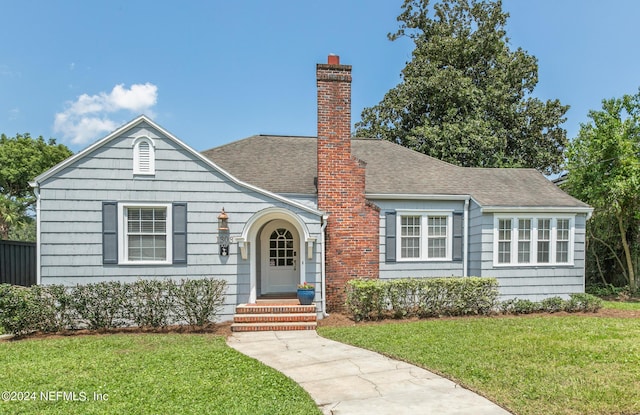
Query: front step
[{"x": 268, "y": 316}]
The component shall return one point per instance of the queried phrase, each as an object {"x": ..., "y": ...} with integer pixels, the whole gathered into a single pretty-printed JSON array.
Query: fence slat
[{"x": 18, "y": 263}]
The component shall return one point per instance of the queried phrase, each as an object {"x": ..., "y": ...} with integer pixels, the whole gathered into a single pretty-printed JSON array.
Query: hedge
[
  {"x": 104, "y": 305},
  {"x": 421, "y": 297}
]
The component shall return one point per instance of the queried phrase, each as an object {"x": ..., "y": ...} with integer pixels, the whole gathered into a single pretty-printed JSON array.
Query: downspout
[
  {"x": 465, "y": 246},
  {"x": 322, "y": 267},
  {"x": 36, "y": 191}
]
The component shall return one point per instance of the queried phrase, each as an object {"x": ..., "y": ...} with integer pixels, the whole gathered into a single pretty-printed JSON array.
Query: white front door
[{"x": 280, "y": 265}]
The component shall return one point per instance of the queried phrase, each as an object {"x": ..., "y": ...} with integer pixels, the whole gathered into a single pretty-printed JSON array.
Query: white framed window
[
  {"x": 144, "y": 157},
  {"x": 424, "y": 236},
  {"x": 146, "y": 236},
  {"x": 533, "y": 240}
]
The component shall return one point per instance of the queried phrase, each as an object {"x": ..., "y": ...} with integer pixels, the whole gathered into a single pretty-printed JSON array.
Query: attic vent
[{"x": 143, "y": 156}]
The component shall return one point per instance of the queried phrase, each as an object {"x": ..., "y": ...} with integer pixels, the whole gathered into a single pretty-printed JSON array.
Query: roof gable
[{"x": 140, "y": 121}]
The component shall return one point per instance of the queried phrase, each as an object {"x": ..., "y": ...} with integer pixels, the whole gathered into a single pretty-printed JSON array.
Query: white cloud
[{"x": 90, "y": 115}]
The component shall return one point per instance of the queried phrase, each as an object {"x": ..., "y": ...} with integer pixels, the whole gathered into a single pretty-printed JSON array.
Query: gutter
[{"x": 323, "y": 275}]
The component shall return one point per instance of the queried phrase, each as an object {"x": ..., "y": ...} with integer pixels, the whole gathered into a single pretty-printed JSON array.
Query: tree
[
  {"x": 22, "y": 158},
  {"x": 604, "y": 171},
  {"x": 465, "y": 96}
]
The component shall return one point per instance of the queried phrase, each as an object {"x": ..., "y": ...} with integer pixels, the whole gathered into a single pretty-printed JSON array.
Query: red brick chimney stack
[{"x": 352, "y": 243}]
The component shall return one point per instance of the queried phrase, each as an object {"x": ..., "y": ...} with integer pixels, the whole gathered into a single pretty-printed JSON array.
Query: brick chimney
[{"x": 352, "y": 233}]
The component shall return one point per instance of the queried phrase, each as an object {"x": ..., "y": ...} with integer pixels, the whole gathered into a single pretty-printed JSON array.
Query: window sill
[
  {"x": 145, "y": 263},
  {"x": 563, "y": 265}
]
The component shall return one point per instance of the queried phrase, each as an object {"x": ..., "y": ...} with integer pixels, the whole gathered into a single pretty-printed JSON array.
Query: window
[
  {"x": 504, "y": 241},
  {"x": 410, "y": 236},
  {"x": 425, "y": 236},
  {"x": 143, "y": 156},
  {"x": 144, "y": 233},
  {"x": 281, "y": 253},
  {"x": 533, "y": 240}
]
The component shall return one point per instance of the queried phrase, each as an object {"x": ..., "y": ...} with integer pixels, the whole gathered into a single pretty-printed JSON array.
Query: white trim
[
  {"x": 533, "y": 251},
  {"x": 249, "y": 237},
  {"x": 537, "y": 210},
  {"x": 144, "y": 119},
  {"x": 424, "y": 234},
  {"x": 465, "y": 242},
  {"x": 409, "y": 196},
  {"x": 122, "y": 233}
]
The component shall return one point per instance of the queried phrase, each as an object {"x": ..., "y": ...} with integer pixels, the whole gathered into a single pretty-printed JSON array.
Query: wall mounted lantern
[{"x": 223, "y": 233}]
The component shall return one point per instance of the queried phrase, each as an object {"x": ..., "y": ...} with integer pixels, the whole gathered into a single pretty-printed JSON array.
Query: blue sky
[{"x": 212, "y": 72}]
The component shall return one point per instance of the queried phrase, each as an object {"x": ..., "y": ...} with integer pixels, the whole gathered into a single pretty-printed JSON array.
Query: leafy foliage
[
  {"x": 604, "y": 171},
  {"x": 199, "y": 301},
  {"x": 22, "y": 158},
  {"x": 423, "y": 297},
  {"x": 106, "y": 305},
  {"x": 465, "y": 96}
]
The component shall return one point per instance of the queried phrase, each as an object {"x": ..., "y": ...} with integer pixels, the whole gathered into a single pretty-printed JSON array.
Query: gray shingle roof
[{"x": 288, "y": 165}]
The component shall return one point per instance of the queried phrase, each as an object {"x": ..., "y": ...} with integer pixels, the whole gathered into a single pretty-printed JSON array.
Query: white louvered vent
[{"x": 143, "y": 157}]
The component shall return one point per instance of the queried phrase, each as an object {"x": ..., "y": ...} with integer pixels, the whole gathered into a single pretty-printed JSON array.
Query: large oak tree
[{"x": 465, "y": 96}]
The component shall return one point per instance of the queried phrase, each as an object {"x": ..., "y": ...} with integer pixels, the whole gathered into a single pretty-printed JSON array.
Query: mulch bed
[{"x": 333, "y": 320}]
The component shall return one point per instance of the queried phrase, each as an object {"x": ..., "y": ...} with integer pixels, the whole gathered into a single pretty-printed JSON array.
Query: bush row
[
  {"x": 431, "y": 297},
  {"x": 575, "y": 303},
  {"x": 104, "y": 305},
  {"x": 421, "y": 297}
]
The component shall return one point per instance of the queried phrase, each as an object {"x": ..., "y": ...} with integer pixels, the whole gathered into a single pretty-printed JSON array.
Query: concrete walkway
[{"x": 344, "y": 379}]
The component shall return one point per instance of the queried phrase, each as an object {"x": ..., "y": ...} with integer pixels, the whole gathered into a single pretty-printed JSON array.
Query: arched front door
[{"x": 279, "y": 243}]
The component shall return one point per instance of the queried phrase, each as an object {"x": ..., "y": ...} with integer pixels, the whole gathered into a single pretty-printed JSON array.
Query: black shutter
[
  {"x": 390, "y": 237},
  {"x": 109, "y": 232},
  {"x": 458, "y": 235},
  {"x": 179, "y": 233}
]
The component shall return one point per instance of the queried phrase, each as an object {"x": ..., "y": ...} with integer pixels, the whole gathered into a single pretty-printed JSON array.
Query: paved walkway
[{"x": 344, "y": 379}]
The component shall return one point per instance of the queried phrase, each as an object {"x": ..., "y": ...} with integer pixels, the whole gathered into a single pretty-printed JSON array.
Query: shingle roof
[{"x": 288, "y": 165}]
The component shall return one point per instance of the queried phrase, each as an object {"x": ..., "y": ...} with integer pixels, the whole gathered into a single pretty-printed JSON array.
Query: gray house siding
[
  {"x": 415, "y": 269},
  {"x": 70, "y": 215}
]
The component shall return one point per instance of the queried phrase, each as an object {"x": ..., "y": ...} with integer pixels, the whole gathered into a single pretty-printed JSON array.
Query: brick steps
[{"x": 271, "y": 316}]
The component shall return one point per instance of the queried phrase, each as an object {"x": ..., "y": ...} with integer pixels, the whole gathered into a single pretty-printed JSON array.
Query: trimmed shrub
[
  {"x": 19, "y": 309},
  {"x": 583, "y": 302},
  {"x": 101, "y": 305},
  {"x": 105, "y": 305},
  {"x": 199, "y": 301},
  {"x": 552, "y": 304},
  {"x": 150, "y": 302},
  {"x": 420, "y": 297}
]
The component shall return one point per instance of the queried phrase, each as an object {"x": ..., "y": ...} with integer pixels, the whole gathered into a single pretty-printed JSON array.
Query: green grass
[
  {"x": 144, "y": 374},
  {"x": 529, "y": 365},
  {"x": 622, "y": 305}
]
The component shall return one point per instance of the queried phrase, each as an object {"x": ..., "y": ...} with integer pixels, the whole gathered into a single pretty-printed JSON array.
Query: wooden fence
[{"x": 18, "y": 263}]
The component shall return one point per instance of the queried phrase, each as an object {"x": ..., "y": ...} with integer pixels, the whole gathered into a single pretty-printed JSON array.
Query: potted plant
[{"x": 306, "y": 293}]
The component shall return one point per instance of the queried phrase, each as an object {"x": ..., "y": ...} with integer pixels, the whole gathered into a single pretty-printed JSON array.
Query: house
[{"x": 268, "y": 212}]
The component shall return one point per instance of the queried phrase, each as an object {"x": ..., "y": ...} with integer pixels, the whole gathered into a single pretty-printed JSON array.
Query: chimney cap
[{"x": 333, "y": 59}]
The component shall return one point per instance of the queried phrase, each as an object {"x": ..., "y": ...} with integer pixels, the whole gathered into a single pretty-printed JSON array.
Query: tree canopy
[
  {"x": 22, "y": 158},
  {"x": 465, "y": 96},
  {"x": 604, "y": 171}
]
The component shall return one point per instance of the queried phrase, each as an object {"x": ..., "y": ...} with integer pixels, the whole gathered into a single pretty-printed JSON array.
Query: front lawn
[
  {"x": 622, "y": 305},
  {"x": 142, "y": 374},
  {"x": 543, "y": 364}
]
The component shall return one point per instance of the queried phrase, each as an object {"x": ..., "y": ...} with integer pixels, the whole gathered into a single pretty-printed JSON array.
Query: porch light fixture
[
  {"x": 223, "y": 233},
  {"x": 223, "y": 221}
]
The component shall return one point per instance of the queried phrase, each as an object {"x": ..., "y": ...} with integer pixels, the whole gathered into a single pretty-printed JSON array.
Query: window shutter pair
[
  {"x": 110, "y": 232},
  {"x": 390, "y": 236}
]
